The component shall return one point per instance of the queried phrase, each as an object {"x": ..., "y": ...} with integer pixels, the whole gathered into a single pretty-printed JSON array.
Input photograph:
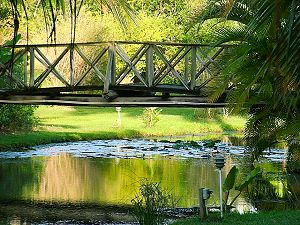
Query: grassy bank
[
  {"x": 262, "y": 218},
  {"x": 57, "y": 124}
]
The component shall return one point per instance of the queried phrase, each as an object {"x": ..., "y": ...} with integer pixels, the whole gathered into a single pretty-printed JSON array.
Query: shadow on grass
[
  {"x": 185, "y": 113},
  {"x": 130, "y": 112},
  {"x": 133, "y": 112},
  {"x": 224, "y": 126},
  {"x": 85, "y": 110}
]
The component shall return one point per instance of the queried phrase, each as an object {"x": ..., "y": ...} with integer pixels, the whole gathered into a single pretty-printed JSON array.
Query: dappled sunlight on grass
[{"x": 59, "y": 123}]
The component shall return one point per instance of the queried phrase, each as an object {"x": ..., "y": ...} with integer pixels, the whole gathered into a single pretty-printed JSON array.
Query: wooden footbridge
[{"x": 110, "y": 74}]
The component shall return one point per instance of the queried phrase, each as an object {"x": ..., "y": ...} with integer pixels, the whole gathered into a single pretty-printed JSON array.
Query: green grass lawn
[
  {"x": 57, "y": 123},
  {"x": 261, "y": 218}
]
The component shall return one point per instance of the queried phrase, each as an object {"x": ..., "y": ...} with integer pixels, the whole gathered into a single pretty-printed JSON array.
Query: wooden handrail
[
  {"x": 150, "y": 65},
  {"x": 116, "y": 42}
]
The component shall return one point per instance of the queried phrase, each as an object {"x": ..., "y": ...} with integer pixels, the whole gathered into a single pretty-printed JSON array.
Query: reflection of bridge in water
[{"x": 111, "y": 74}]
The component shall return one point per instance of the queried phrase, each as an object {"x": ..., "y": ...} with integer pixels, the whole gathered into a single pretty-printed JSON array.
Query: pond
[{"x": 96, "y": 180}]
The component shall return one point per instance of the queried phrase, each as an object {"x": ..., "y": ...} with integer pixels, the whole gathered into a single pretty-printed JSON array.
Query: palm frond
[{"x": 226, "y": 10}]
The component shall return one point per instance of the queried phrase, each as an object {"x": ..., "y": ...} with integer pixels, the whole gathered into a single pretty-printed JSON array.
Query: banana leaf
[
  {"x": 254, "y": 173},
  {"x": 230, "y": 179}
]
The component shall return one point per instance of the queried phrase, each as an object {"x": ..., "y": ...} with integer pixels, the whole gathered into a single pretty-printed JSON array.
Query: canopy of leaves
[{"x": 262, "y": 72}]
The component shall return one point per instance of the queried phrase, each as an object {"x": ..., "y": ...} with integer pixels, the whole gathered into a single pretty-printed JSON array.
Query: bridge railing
[{"x": 109, "y": 64}]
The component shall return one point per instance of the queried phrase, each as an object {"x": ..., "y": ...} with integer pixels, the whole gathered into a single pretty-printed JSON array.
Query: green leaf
[
  {"x": 244, "y": 183},
  {"x": 62, "y": 5},
  {"x": 12, "y": 41},
  {"x": 230, "y": 179}
]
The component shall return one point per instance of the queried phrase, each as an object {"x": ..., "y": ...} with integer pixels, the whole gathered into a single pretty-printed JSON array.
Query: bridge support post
[
  {"x": 149, "y": 66},
  {"x": 72, "y": 67},
  {"x": 186, "y": 66},
  {"x": 31, "y": 66},
  {"x": 26, "y": 68},
  {"x": 111, "y": 69},
  {"x": 194, "y": 67}
]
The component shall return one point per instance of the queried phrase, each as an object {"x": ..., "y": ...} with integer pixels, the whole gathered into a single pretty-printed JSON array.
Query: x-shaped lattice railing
[{"x": 114, "y": 64}]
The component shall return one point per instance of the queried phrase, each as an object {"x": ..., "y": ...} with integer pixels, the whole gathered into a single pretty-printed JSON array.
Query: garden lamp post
[
  {"x": 219, "y": 162},
  {"x": 118, "y": 109}
]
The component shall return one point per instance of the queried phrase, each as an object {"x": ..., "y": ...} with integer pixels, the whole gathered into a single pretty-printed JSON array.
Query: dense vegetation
[
  {"x": 146, "y": 20},
  {"x": 261, "y": 72}
]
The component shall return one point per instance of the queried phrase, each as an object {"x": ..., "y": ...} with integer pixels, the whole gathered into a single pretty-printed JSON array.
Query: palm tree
[{"x": 262, "y": 72}]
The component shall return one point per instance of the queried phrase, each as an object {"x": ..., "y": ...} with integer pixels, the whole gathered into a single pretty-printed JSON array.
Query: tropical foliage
[
  {"x": 230, "y": 184},
  {"x": 261, "y": 71}
]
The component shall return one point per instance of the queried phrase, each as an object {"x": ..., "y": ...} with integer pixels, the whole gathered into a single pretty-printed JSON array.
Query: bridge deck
[{"x": 75, "y": 100}]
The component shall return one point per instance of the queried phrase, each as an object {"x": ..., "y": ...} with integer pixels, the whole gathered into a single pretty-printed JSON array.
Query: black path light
[{"x": 220, "y": 162}]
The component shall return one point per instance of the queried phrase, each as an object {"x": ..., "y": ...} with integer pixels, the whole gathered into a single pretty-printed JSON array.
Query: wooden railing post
[
  {"x": 194, "y": 67},
  {"x": 72, "y": 65},
  {"x": 150, "y": 66},
  {"x": 31, "y": 66},
  {"x": 186, "y": 66},
  {"x": 113, "y": 65},
  {"x": 26, "y": 67},
  {"x": 111, "y": 68}
]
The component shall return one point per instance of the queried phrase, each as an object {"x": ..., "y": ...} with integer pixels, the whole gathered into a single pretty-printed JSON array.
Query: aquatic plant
[
  {"x": 147, "y": 204},
  {"x": 184, "y": 144}
]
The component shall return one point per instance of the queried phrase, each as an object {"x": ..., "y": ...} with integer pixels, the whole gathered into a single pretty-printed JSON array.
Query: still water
[{"x": 89, "y": 176}]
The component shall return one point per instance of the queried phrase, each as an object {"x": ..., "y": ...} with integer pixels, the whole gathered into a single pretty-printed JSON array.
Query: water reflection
[
  {"x": 114, "y": 181},
  {"x": 67, "y": 173},
  {"x": 19, "y": 177}
]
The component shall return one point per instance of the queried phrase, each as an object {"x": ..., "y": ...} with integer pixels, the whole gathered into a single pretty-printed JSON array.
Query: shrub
[
  {"x": 16, "y": 117},
  {"x": 150, "y": 116}
]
